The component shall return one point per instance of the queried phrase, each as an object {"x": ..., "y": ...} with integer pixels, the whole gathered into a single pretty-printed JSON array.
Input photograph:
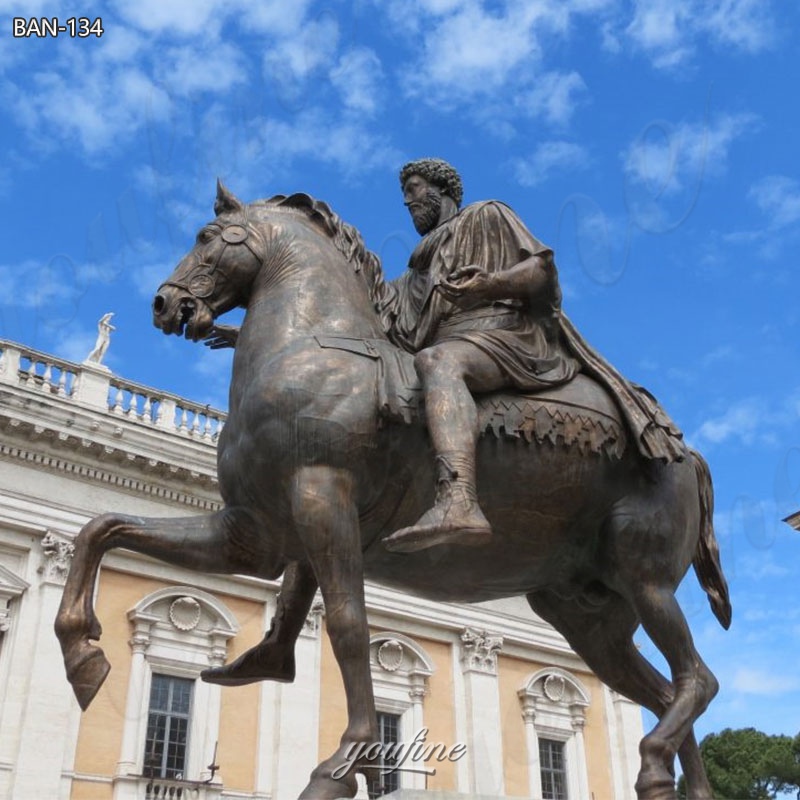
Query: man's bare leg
[
  {"x": 450, "y": 372},
  {"x": 273, "y": 657}
]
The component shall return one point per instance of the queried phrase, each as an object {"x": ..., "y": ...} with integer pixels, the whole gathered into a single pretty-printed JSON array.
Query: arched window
[
  {"x": 172, "y": 717},
  {"x": 400, "y": 670},
  {"x": 554, "y": 706}
]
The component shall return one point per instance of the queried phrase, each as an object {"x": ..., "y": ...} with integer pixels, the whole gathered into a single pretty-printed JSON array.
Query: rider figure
[{"x": 479, "y": 305}]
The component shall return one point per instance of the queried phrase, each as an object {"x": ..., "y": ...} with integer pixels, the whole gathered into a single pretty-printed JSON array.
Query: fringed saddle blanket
[{"x": 578, "y": 414}]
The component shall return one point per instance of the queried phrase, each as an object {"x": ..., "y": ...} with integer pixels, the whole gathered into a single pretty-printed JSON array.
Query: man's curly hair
[{"x": 439, "y": 173}]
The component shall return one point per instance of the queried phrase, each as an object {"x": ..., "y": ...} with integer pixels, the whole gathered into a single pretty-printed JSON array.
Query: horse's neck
[{"x": 313, "y": 291}]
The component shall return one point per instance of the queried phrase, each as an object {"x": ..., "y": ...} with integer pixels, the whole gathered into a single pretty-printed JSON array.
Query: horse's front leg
[
  {"x": 229, "y": 541},
  {"x": 327, "y": 522}
]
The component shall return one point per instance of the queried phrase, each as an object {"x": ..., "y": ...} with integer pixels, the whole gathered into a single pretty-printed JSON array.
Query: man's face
[{"x": 424, "y": 203}]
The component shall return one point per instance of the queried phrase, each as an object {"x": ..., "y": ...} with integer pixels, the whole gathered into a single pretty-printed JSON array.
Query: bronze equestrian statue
[{"x": 586, "y": 501}]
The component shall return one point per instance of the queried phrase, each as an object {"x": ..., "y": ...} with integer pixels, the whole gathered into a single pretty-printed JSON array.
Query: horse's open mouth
[
  {"x": 182, "y": 316},
  {"x": 185, "y": 314}
]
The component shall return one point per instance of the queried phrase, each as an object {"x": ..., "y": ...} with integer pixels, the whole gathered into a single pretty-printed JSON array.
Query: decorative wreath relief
[
  {"x": 390, "y": 655},
  {"x": 184, "y": 613},
  {"x": 554, "y": 686}
]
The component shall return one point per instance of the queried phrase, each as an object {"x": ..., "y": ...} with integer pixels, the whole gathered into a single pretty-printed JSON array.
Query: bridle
[{"x": 204, "y": 280}]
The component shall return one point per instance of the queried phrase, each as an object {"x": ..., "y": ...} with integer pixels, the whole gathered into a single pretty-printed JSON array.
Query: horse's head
[{"x": 213, "y": 277}]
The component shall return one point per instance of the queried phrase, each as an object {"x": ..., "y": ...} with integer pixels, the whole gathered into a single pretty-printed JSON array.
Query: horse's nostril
[{"x": 159, "y": 303}]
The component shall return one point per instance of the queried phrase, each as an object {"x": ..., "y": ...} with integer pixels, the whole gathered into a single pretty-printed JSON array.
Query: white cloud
[
  {"x": 547, "y": 158},
  {"x": 670, "y": 31},
  {"x": 357, "y": 77},
  {"x": 741, "y": 421},
  {"x": 294, "y": 59},
  {"x": 470, "y": 50},
  {"x": 181, "y": 17},
  {"x": 189, "y": 69},
  {"x": 666, "y": 156},
  {"x": 751, "y": 420},
  {"x": 348, "y": 144},
  {"x": 779, "y": 198},
  {"x": 763, "y": 682},
  {"x": 554, "y": 96},
  {"x": 746, "y": 24}
]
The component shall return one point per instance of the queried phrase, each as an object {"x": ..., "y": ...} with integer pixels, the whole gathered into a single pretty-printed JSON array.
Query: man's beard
[{"x": 425, "y": 214}]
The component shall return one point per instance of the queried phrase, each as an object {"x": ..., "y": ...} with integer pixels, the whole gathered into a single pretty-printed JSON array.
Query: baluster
[
  {"x": 196, "y": 423},
  {"x": 61, "y": 391},
  {"x": 118, "y": 401},
  {"x": 147, "y": 409},
  {"x": 207, "y": 428},
  {"x": 184, "y": 420},
  {"x": 47, "y": 375}
]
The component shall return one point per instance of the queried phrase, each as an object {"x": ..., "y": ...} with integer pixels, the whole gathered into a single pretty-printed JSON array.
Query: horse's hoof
[
  {"x": 656, "y": 788},
  {"x": 260, "y": 663},
  {"x": 88, "y": 675},
  {"x": 329, "y": 789}
]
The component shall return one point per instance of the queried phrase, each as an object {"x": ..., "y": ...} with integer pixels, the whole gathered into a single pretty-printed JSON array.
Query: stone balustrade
[{"x": 93, "y": 386}]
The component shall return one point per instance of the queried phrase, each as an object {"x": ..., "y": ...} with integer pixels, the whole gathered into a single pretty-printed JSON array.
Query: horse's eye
[{"x": 205, "y": 236}]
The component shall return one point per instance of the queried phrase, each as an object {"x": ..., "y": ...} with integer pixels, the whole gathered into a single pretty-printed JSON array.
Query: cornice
[{"x": 115, "y": 478}]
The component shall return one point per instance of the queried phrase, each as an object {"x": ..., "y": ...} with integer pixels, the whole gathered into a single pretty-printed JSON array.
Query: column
[
  {"x": 484, "y": 738},
  {"x": 299, "y": 711},
  {"x": 129, "y": 754},
  {"x": 417, "y": 694},
  {"x": 531, "y": 743},
  {"x": 578, "y": 724},
  {"x": 46, "y": 714}
]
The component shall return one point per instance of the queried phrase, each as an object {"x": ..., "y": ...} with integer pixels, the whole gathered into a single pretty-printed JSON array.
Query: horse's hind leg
[
  {"x": 226, "y": 542},
  {"x": 603, "y": 638},
  {"x": 693, "y": 682}
]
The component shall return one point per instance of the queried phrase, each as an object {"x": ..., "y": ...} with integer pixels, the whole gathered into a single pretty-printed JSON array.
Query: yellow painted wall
[
  {"x": 333, "y": 702},
  {"x": 100, "y": 735},
  {"x": 239, "y": 711},
  {"x": 598, "y": 748},
  {"x": 439, "y": 711}
]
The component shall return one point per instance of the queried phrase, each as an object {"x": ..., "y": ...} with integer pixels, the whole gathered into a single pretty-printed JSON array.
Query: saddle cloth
[{"x": 576, "y": 414}]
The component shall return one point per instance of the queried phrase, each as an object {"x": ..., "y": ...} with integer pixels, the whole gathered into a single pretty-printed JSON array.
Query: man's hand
[
  {"x": 222, "y": 336},
  {"x": 468, "y": 286}
]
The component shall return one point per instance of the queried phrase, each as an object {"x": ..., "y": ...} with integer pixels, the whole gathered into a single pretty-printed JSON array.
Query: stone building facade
[{"x": 75, "y": 441}]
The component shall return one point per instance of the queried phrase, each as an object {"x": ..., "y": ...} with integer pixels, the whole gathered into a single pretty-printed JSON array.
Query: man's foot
[
  {"x": 456, "y": 518},
  {"x": 266, "y": 661}
]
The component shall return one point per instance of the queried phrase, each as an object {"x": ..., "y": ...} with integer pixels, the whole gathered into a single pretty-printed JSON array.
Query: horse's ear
[{"x": 226, "y": 201}]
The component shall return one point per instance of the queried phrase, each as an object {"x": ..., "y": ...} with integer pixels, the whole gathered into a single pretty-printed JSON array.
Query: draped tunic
[{"x": 521, "y": 336}]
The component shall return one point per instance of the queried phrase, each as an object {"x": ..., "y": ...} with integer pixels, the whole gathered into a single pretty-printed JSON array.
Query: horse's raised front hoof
[
  {"x": 264, "y": 662},
  {"x": 86, "y": 673}
]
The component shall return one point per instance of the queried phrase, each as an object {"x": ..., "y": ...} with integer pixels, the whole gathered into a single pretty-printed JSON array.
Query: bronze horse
[{"x": 312, "y": 475}]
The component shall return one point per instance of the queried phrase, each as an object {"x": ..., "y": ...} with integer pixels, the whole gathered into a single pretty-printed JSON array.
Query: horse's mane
[{"x": 347, "y": 240}]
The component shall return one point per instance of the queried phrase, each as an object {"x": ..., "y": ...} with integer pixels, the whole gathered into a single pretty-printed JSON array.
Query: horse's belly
[{"x": 547, "y": 507}]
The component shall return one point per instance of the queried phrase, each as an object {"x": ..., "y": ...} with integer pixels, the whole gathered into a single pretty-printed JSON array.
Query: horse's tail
[{"x": 706, "y": 561}]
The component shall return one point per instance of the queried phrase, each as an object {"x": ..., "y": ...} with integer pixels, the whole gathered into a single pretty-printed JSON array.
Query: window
[
  {"x": 169, "y": 715},
  {"x": 379, "y": 782},
  {"x": 553, "y": 768}
]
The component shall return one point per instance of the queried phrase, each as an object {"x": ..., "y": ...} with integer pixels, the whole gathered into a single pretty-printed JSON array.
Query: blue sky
[{"x": 649, "y": 142}]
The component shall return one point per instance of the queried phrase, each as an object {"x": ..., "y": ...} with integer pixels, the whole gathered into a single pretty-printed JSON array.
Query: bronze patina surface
[{"x": 565, "y": 483}]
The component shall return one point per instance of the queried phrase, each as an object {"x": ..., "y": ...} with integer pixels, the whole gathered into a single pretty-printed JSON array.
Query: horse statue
[{"x": 315, "y": 471}]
